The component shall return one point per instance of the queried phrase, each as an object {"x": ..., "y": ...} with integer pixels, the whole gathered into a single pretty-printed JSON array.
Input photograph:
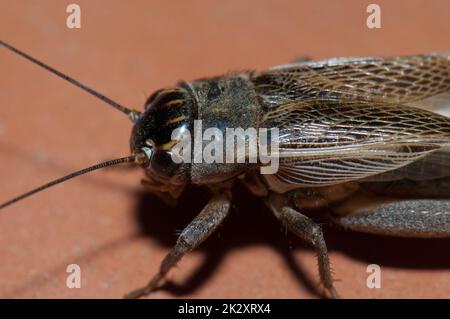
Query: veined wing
[
  {"x": 390, "y": 80},
  {"x": 325, "y": 142}
]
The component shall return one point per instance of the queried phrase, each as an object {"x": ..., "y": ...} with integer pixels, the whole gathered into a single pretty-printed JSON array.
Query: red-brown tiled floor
[{"x": 127, "y": 50}]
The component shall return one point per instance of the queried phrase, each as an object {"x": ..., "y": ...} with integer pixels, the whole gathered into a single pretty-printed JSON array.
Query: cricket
[{"x": 365, "y": 139}]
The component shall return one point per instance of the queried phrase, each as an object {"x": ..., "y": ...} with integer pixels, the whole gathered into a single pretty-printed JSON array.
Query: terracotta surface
[{"x": 104, "y": 222}]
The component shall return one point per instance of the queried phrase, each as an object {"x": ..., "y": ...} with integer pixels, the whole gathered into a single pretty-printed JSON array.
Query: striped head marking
[{"x": 165, "y": 111}]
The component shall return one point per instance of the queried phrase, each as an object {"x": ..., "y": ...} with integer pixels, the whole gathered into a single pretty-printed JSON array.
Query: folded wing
[{"x": 324, "y": 142}]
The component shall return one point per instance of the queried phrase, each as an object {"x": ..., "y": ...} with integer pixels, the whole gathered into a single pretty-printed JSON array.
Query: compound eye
[{"x": 163, "y": 166}]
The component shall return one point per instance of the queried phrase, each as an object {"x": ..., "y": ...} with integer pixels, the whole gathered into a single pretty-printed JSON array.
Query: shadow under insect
[{"x": 251, "y": 223}]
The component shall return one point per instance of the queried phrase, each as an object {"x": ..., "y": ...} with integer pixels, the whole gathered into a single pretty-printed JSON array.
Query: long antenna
[
  {"x": 128, "y": 159},
  {"x": 132, "y": 114}
]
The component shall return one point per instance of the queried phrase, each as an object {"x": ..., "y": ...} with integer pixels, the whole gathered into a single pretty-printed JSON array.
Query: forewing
[
  {"x": 324, "y": 142},
  {"x": 389, "y": 80}
]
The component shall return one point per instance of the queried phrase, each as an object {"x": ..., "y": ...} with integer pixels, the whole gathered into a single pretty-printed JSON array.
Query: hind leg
[
  {"x": 310, "y": 232},
  {"x": 396, "y": 217}
]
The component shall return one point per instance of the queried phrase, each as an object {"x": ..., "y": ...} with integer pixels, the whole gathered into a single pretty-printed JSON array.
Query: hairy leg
[
  {"x": 193, "y": 235},
  {"x": 310, "y": 232},
  {"x": 396, "y": 217}
]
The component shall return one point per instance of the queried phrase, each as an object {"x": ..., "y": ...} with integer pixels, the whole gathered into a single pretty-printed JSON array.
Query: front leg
[
  {"x": 193, "y": 235},
  {"x": 310, "y": 232}
]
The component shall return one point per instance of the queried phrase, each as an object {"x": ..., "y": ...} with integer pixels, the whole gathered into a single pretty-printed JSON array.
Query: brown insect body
[
  {"x": 332, "y": 112},
  {"x": 345, "y": 124},
  {"x": 358, "y": 138}
]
